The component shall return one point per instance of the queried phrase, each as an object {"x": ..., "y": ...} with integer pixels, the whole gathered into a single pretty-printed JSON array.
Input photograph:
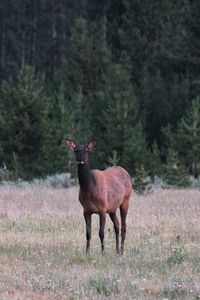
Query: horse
[{"x": 102, "y": 192}]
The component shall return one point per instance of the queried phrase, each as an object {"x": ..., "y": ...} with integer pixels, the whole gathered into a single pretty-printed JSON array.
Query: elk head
[{"x": 81, "y": 151}]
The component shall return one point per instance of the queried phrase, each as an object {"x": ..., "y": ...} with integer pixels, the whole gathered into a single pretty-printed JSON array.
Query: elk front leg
[
  {"x": 88, "y": 222},
  {"x": 102, "y": 221}
]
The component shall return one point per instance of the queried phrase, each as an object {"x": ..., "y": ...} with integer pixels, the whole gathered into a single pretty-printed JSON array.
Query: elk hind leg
[
  {"x": 123, "y": 214},
  {"x": 115, "y": 221}
]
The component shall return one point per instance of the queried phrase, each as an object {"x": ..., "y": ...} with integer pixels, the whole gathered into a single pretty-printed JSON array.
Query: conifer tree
[
  {"x": 188, "y": 137},
  {"x": 60, "y": 121},
  {"x": 175, "y": 173},
  {"x": 22, "y": 124},
  {"x": 85, "y": 71},
  {"x": 154, "y": 162},
  {"x": 118, "y": 119},
  {"x": 141, "y": 181}
]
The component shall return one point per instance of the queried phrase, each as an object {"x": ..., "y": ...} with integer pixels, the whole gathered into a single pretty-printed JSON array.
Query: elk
[{"x": 102, "y": 192}]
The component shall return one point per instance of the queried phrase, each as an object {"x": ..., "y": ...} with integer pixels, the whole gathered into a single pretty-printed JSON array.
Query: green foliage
[
  {"x": 117, "y": 72},
  {"x": 185, "y": 140},
  {"x": 154, "y": 163},
  {"x": 188, "y": 137},
  {"x": 114, "y": 159},
  {"x": 118, "y": 118},
  {"x": 175, "y": 173},
  {"x": 22, "y": 124},
  {"x": 60, "y": 121},
  {"x": 33, "y": 127},
  {"x": 141, "y": 181},
  {"x": 177, "y": 255},
  {"x": 105, "y": 285},
  {"x": 169, "y": 137}
]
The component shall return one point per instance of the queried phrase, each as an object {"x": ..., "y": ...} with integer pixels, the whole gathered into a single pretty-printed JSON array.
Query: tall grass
[{"x": 42, "y": 247}]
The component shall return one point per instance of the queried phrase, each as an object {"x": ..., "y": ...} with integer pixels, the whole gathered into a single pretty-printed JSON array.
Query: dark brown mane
[{"x": 85, "y": 177}]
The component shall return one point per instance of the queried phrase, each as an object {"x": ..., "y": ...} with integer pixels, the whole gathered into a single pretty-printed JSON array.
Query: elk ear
[
  {"x": 70, "y": 144},
  {"x": 91, "y": 145}
]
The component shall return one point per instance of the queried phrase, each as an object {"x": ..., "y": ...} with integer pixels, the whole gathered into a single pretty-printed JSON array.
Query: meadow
[{"x": 42, "y": 247}]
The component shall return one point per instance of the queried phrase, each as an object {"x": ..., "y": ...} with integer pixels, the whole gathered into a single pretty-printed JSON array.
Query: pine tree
[
  {"x": 188, "y": 137},
  {"x": 60, "y": 121},
  {"x": 84, "y": 72},
  {"x": 22, "y": 124},
  {"x": 169, "y": 137},
  {"x": 175, "y": 173},
  {"x": 154, "y": 162},
  {"x": 141, "y": 181},
  {"x": 120, "y": 127}
]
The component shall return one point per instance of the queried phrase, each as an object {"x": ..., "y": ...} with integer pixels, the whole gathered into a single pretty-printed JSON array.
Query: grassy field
[{"x": 42, "y": 247}]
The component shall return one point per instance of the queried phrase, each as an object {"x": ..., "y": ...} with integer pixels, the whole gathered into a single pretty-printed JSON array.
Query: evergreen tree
[
  {"x": 154, "y": 162},
  {"x": 60, "y": 121},
  {"x": 175, "y": 173},
  {"x": 120, "y": 128},
  {"x": 84, "y": 71},
  {"x": 141, "y": 181},
  {"x": 81, "y": 45},
  {"x": 22, "y": 125},
  {"x": 170, "y": 140},
  {"x": 179, "y": 90},
  {"x": 80, "y": 63},
  {"x": 156, "y": 37},
  {"x": 188, "y": 137}
]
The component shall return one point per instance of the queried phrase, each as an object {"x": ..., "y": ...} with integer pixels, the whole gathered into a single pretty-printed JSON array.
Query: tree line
[{"x": 123, "y": 72}]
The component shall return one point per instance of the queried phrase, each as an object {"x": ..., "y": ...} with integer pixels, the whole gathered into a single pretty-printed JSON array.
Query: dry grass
[{"x": 42, "y": 247}]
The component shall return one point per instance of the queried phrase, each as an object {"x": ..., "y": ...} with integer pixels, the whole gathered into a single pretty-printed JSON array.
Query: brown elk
[{"x": 102, "y": 192}]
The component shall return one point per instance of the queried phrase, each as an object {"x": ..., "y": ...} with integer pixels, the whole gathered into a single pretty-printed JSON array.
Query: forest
[{"x": 125, "y": 73}]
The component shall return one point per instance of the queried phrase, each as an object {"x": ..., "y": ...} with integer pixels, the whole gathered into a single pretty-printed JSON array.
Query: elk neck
[{"x": 85, "y": 177}]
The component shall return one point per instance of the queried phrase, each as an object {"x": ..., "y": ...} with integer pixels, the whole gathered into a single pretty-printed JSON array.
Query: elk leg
[
  {"x": 88, "y": 222},
  {"x": 115, "y": 221},
  {"x": 123, "y": 213},
  {"x": 102, "y": 220}
]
